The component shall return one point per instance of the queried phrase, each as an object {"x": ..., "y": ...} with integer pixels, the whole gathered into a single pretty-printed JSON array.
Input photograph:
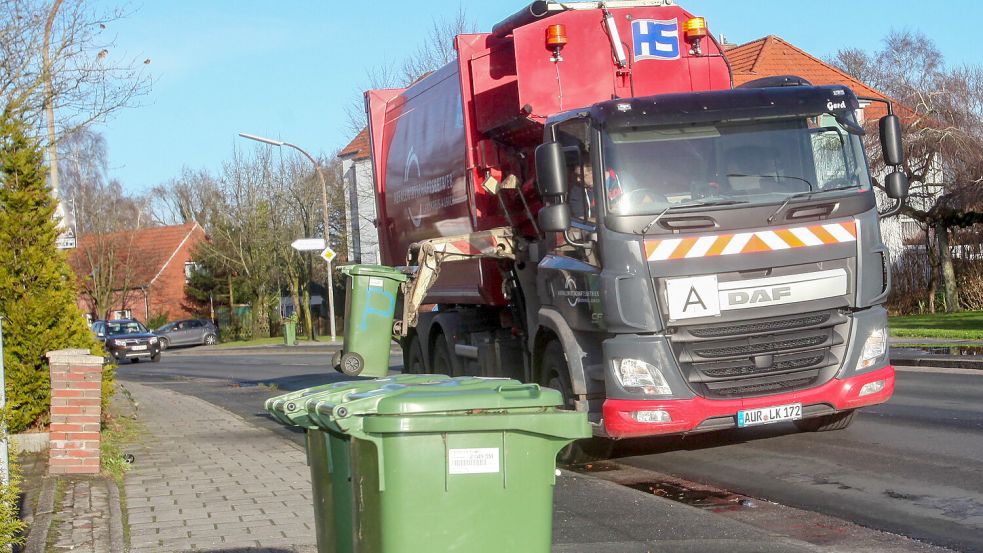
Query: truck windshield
[{"x": 648, "y": 169}]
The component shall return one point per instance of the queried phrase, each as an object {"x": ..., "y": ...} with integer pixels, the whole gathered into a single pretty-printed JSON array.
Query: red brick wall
[
  {"x": 165, "y": 294},
  {"x": 76, "y": 388}
]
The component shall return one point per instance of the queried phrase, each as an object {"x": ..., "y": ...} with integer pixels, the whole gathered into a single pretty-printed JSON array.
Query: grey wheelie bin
[
  {"x": 369, "y": 308},
  {"x": 459, "y": 465},
  {"x": 328, "y": 455}
]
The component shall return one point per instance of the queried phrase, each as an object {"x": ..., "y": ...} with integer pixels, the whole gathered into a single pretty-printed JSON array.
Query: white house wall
[{"x": 362, "y": 211}]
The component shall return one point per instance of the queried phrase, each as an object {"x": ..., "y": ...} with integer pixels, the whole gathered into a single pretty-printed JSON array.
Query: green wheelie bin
[
  {"x": 459, "y": 465},
  {"x": 328, "y": 456},
  {"x": 369, "y": 308},
  {"x": 290, "y": 332}
]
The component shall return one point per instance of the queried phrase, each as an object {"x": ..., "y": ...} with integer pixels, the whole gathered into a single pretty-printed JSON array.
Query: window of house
[{"x": 190, "y": 268}]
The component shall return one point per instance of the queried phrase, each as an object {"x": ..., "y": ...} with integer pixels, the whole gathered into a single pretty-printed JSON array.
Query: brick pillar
[{"x": 76, "y": 392}]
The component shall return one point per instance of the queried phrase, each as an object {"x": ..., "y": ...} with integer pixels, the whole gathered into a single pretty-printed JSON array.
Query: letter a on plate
[{"x": 693, "y": 297}]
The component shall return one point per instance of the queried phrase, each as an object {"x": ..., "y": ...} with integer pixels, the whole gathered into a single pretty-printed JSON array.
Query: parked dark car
[
  {"x": 127, "y": 339},
  {"x": 190, "y": 332}
]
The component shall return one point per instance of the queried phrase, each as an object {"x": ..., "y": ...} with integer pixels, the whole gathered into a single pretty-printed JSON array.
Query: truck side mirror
[
  {"x": 554, "y": 218},
  {"x": 551, "y": 171},
  {"x": 896, "y": 185},
  {"x": 890, "y": 127}
]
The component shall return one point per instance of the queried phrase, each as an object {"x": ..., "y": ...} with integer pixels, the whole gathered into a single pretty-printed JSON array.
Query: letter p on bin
[{"x": 370, "y": 305}]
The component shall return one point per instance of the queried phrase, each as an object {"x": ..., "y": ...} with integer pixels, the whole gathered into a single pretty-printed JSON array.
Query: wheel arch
[{"x": 552, "y": 326}]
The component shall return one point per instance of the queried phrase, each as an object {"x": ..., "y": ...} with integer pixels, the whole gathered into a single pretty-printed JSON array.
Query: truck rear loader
[{"x": 585, "y": 201}]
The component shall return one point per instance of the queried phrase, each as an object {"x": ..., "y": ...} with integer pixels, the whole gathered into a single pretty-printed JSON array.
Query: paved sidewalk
[
  {"x": 205, "y": 480},
  {"x": 83, "y": 517}
]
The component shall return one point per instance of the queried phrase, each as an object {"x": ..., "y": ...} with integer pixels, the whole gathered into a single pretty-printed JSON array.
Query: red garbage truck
[{"x": 585, "y": 201}]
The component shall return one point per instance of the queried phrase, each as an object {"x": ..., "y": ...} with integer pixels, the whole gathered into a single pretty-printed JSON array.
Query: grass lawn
[
  {"x": 266, "y": 341},
  {"x": 967, "y": 325}
]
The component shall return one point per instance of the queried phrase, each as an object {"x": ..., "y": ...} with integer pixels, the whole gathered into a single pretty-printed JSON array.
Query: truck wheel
[
  {"x": 155, "y": 357},
  {"x": 442, "y": 363},
  {"x": 826, "y": 423},
  {"x": 413, "y": 357},
  {"x": 351, "y": 364},
  {"x": 556, "y": 375}
]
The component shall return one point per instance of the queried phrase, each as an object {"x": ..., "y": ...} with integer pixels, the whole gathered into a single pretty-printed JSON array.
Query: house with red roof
[
  {"x": 137, "y": 273},
  {"x": 356, "y": 167},
  {"x": 772, "y": 56}
]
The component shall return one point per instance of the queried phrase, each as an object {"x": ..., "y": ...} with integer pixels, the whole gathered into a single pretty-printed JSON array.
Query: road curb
[{"x": 939, "y": 361}]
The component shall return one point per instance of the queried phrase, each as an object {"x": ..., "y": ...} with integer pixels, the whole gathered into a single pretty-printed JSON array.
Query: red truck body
[{"x": 435, "y": 142}]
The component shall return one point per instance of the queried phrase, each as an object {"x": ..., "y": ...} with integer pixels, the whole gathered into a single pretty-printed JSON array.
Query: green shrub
[
  {"x": 11, "y": 526},
  {"x": 37, "y": 287}
]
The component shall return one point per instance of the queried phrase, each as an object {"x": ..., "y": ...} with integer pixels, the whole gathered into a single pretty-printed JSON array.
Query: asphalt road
[{"x": 913, "y": 466}]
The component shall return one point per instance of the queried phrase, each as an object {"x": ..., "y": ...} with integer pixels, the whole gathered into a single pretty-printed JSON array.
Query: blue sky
[{"x": 288, "y": 68}]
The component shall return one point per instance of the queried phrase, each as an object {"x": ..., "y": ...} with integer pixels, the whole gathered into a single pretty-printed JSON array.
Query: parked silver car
[{"x": 187, "y": 333}]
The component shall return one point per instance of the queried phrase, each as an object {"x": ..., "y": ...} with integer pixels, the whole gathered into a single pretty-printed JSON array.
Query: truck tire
[
  {"x": 441, "y": 362},
  {"x": 556, "y": 375},
  {"x": 826, "y": 423},
  {"x": 155, "y": 357},
  {"x": 413, "y": 357}
]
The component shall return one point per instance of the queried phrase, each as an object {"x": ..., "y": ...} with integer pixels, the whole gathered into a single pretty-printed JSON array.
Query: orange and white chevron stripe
[{"x": 751, "y": 242}]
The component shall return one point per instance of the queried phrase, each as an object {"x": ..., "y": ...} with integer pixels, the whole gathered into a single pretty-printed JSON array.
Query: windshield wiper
[
  {"x": 699, "y": 203},
  {"x": 807, "y": 194}
]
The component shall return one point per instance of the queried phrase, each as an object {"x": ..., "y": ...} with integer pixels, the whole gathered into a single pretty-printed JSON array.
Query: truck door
[{"x": 571, "y": 269}]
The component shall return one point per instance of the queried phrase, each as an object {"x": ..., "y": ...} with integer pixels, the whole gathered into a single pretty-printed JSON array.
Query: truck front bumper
[{"x": 702, "y": 415}]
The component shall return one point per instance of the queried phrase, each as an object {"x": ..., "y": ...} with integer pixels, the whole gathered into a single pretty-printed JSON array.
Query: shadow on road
[{"x": 721, "y": 438}]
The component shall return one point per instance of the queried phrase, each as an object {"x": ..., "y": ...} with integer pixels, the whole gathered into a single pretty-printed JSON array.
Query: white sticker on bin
[
  {"x": 375, "y": 282},
  {"x": 478, "y": 460}
]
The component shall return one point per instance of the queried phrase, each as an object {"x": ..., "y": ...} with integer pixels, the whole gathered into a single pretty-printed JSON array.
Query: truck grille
[{"x": 760, "y": 357}]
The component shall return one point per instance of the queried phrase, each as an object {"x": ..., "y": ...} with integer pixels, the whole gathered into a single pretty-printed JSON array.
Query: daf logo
[{"x": 761, "y": 295}]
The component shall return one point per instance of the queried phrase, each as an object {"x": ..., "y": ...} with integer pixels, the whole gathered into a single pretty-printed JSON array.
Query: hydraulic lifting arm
[{"x": 498, "y": 243}]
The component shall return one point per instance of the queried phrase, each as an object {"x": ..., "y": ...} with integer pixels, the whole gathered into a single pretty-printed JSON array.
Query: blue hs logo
[{"x": 655, "y": 40}]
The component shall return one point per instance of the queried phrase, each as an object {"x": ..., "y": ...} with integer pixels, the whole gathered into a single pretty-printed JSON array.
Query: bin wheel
[
  {"x": 556, "y": 376},
  {"x": 351, "y": 364},
  {"x": 413, "y": 358}
]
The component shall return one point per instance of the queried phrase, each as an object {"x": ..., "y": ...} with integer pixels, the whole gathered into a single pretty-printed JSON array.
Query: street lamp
[{"x": 324, "y": 212}]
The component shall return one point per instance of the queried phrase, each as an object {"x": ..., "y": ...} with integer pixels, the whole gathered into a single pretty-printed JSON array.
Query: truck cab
[{"x": 722, "y": 250}]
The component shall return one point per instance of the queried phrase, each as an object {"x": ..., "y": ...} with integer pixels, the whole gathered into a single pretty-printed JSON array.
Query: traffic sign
[
  {"x": 66, "y": 241},
  {"x": 328, "y": 254},
  {"x": 308, "y": 244}
]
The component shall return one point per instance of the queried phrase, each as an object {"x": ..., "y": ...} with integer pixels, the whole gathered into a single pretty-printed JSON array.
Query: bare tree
[
  {"x": 194, "y": 196},
  {"x": 113, "y": 271},
  {"x": 89, "y": 80},
  {"x": 435, "y": 51},
  {"x": 99, "y": 204},
  {"x": 942, "y": 113}
]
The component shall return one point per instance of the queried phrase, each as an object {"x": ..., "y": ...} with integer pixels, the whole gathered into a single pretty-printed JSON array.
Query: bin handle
[
  {"x": 332, "y": 410},
  {"x": 517, "y": 389}
]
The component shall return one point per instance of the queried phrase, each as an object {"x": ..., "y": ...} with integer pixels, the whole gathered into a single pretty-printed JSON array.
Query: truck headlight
[
  {"x": 636, "y": 375},
  {"x": 120, "y": 343},
  {"x": 874, "y": 349},
  {"x": 153, "y": 339}
]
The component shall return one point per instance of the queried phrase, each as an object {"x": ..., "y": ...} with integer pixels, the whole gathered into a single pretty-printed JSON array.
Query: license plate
[
  {"x": 138, "y": 348},
  {"x": 768, "y": 415}
]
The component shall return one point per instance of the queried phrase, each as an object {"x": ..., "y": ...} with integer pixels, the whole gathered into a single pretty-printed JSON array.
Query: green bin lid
[
  {"x": 462, "y": 394},
  {"x": 291, "y": 408},
  {"x": 374, "y": 270}
]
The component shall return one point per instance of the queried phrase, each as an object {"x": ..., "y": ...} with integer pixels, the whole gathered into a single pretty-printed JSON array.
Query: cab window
[{"x": 575, "y": 137}]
